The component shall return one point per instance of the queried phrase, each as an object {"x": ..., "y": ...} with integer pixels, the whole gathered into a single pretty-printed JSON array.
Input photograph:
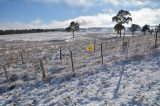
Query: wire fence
[{"x": 28, "y": 61}]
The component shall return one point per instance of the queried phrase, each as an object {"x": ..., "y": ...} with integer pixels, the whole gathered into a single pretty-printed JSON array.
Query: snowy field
[
  {"x": 54, "y": 36},
  {"x": 130, "y": 75}
]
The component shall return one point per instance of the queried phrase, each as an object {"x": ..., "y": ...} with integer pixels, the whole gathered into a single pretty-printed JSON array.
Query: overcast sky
[{"x": 25, "y": 14}]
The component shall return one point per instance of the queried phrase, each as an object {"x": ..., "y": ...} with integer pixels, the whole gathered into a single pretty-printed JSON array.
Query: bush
[
  {"x": 14, "y": 77},
  {"x": 25, "y": 77}
]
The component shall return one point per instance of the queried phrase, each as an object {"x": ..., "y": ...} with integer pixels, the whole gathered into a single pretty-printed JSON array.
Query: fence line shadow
[{"x": 118, "y": 84}]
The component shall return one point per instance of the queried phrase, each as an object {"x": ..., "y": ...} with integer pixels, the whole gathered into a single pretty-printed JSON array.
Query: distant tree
[
  {"x": 158, "y": 28},
  {"x": 68, "y": 29},
  {"x": 74, "y": 26},
  {"x": 150, "y": 31},
  {"x": 133, "y": 28},
  {"x": 118, "y": 28},
  {"x": 77, "y": 26},
  {"x": 121, "y": 18},
  {"x": 145, "y": 28}
]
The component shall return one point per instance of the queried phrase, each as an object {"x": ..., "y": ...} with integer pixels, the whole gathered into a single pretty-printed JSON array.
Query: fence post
[
  {"x": 60, "y": 53},
  {"x": 156, "y": 41},
  {"x": 42, "y": 69},
  {"x": 128, "y": 48},
  {"x": 94, "y": 45},
  {"x": 72, "y": 61},
  {"x": 5, "y": 71},
  {"x": 102, "y": 52},
  {"x": 123, "y": 39},
  {"x": 21, "y": 54}
]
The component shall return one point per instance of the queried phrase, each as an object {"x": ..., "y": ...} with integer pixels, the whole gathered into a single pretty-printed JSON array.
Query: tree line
[
  {"x": 121, "y": 18},
  {"x": 5, "y": 32}
]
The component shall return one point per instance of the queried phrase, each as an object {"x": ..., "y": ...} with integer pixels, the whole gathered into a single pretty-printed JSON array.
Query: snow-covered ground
[
  {"x": 37, "y": 36},
  {"x": 53, "y": 36},
  {"x": 124, "y": 83},
  {"x": 130, "y": 76}
]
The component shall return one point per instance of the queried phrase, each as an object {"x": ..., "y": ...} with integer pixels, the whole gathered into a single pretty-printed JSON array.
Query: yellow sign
[{"x": 90, "y": 47}]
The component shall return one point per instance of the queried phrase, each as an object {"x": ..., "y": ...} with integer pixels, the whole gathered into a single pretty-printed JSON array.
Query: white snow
[
  {"x": 59, "y": 36},
  {"x": 37, "y": 36},
  {"x": 140, "y": 85},
  {"x": 121, "y": 81}
]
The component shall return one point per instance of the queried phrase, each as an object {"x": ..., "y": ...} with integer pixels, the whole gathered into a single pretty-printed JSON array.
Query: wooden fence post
[
  {"x": 95, "y": 45},
  {"x": 102, "y": 52},
  {"x": 21, "y": 54},
  {"x": 128, "y": 47},
  {"x": 156, "y": 40},
  {"x": 5, "y": 71},
  {"x": 123, "y": 39},
  {"x": 72, "y": 61},
  {"x": 42, "y": 69},
  {"x": 60, "y": 53}
]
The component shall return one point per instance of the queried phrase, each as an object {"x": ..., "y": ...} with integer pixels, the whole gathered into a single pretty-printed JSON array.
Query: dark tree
[
  {"x": 150, "y": 31},
  {"x": 121, "y": 18},
  {"x": 68, "y": 29},
  {"x": 74, "y": 27},
  {"x": 118, "y": 28},
  {"x": 145, "y": 28},
  {"x": 158, "y": 28},
  {"x": 133, "y": 28}
]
